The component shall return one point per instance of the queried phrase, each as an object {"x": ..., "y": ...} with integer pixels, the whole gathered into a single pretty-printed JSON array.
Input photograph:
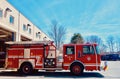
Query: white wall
[
  {"x": 5, "y": 20},
  {"x": 25, "y": 33},
  {"x": 19, "y": 20}
]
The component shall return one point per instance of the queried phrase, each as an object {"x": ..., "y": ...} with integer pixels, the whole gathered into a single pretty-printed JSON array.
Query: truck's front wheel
[
  {"x": 26, "y": 68},
  {"x": 76, "y": 69}
]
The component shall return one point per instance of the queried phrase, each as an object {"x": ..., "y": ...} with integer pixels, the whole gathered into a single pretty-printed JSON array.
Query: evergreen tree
[{"x": 77, "y": 39}]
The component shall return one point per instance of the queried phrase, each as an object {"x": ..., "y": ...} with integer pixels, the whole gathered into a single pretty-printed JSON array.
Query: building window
[
  {"x": 29, "y": 30},
  {"x": 37, "y": 35},
  {"x": 11, "y": 19},
  {"x": 24, "y": 27},
  {"x": 1, "y": 13}
]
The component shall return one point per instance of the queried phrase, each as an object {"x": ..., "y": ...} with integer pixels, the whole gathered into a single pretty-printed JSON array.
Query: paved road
[{"x": 113, "y": 72}]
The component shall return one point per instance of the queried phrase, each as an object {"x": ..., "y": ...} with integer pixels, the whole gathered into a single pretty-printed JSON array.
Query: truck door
[
  {"x": 89, "y": 57},
  {"x": 69, "y": 55}
]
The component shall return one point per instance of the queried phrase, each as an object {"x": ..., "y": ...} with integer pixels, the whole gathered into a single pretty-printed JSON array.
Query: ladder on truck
[{"x": 30, "y": 42}]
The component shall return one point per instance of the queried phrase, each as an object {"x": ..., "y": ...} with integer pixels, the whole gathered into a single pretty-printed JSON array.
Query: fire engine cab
[{"x": 30, "y": 56}]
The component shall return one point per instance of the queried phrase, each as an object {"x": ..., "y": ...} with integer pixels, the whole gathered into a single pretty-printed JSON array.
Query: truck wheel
[
  {"x": 26, "y": 68},
  {"x": 76, "y": 69}
]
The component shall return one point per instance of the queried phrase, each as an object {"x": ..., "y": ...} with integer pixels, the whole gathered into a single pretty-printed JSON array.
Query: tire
[
  {"x": 26, "y": 68},
  {"x": 76, "y": 69}
]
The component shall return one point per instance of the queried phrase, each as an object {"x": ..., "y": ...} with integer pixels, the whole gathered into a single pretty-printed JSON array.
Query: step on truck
[{"x": 30, "y": 56}]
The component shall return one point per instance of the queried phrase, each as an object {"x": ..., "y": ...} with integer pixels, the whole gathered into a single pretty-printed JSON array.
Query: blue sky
[{"x": 88, "y": 17}]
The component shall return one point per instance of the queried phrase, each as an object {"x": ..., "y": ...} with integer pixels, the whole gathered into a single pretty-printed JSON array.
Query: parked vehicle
[
  {"x": 110, "y": 57},
  {"x": 31, "y": 56}
]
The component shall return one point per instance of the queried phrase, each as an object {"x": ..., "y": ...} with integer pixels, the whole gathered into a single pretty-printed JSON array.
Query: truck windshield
[
  {"x": 97, "y": 50},
  {"x": 88, "y": 50}
]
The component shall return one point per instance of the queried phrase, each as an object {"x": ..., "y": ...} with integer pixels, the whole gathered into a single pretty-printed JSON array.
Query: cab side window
[
  {"x": 70, "y": 50},
  {"x": 88, "y": 50}
]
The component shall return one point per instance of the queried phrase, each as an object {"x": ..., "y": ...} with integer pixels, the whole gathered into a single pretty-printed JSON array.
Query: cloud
[
  {"x": 106, "y": 12},
  {"x": 69, "y": 34},
  {"x": 54, "y": 3}
]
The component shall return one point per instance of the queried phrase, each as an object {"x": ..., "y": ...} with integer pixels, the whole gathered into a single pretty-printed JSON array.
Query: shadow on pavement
[{"x": 55, "y": 74}]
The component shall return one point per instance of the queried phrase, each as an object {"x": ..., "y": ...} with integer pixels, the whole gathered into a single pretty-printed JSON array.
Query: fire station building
[{"x": 16, "y": 27}]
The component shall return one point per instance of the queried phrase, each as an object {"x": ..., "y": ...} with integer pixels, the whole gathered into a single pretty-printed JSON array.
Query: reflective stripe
[
  {"x": 66, "y": 64},
  {"x": 32, "y": 56},
  {"x": 90, "y": 64},
  {"x": 39, "y": 64},
  {"x": 21, "y": 48},
  {"x": 15, "y": 48},
  {"x": 20, "y": 56},
  {"x": 13, "y": 56}
]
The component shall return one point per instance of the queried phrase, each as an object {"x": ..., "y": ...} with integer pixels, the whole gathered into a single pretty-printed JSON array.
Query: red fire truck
[{"x": 30, "y": 56}]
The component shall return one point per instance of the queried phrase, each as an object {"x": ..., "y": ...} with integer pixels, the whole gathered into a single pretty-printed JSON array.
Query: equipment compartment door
[{"x": 50, "y": 57}]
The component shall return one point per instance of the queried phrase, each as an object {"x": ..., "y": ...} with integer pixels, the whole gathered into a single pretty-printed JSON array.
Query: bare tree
[
  {"x": 57, "y": 33},
  {"x": 103, "y": 48},
  {"x": 98, "y": 40},
  {"x": 117, "y": 43},
  {"x": 110, "y": 42},
  {"x": 94, "y": 39}
]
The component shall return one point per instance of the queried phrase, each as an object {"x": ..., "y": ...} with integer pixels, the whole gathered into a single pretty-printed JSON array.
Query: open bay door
[{"x": 50, "y": 57}]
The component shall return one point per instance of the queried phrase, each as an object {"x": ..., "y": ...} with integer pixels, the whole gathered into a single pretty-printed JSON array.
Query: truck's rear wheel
[
  {"x": 76, "y": 69},
  {"x": 26, "y": 68}
]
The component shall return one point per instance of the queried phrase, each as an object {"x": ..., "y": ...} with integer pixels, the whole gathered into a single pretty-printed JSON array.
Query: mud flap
[{"x": 105, "y": 67}]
